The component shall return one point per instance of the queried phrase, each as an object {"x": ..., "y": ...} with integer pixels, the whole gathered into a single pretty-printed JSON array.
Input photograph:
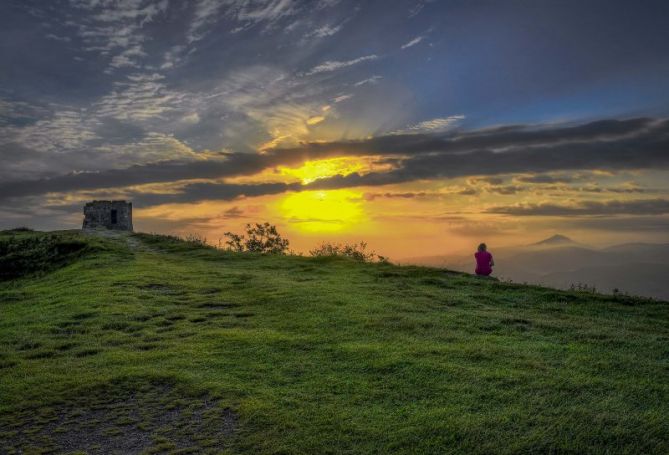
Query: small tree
[
  {"x": 260, "y": 238},
  {"x": 235, "y": 243}
]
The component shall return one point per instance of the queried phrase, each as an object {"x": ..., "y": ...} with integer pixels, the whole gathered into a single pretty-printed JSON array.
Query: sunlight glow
[
  {"x": 311, "y": 171},
  {"x": 323, "y": 211}
]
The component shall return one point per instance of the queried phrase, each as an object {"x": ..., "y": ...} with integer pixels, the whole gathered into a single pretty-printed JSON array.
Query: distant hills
[
  {"x": 636, "y": 268},
  {"x": 557, "y": 239}
]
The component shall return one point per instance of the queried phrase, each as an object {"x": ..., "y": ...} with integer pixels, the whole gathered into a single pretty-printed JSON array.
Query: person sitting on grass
[{"x": 484, "y": 262}]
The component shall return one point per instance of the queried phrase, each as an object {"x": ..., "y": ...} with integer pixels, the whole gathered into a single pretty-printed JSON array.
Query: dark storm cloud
[
  {"x": 597, "y": 189},
  {"x": 506, "y": 189},
  {"x": 166, "y": 171},
  {"x": 611, "y": 144},
  {"x": 645, "y": 147},
  {"x": 403, "y": 195},
  {"x": 488, "y": 139},
  {"x": 488, "y": 180},
  {"x": 213, "y": 191},
  {"x": 135, "y": 175},
  {"x": 545, "y": 178},
  {"x": 633, "y": 207}
]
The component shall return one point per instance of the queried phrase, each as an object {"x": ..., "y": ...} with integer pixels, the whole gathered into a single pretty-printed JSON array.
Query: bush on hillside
[
  {"x": 583, "y": 287},
  {"x": 260, "y": 238},
  {"x": 355, "y": 251},
  {"x": 21, "y": 256}
]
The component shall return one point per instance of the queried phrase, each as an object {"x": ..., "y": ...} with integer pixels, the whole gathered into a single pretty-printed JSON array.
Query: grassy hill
[{"x": 148, "y": 344}]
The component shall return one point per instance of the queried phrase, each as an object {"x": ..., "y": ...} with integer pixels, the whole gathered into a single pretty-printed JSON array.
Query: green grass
[{"x": 186, "y": 349}]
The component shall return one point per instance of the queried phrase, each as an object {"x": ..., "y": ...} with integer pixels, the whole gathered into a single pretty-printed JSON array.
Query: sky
[{"x": 421, "y": 127}]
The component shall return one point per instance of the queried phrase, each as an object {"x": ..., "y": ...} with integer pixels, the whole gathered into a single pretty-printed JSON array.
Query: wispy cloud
[
  {"x": 333, "y": 65},
  {"x": 63, "y": 131},
  {"x": 140, "y": 97},
  {"x": 65, "y": 39},
  {"x": 435, "y": 125},
  {"x": 110, "y": 27},
  {"x": 325, "y": 31},
  {"x": 370, "y": 80},
  {"x": 205, "y": 13},
  {"x": 246, "y": 14},
  {"x": 127, "y": 58},
  {"x": 413, "y": 42},
  {"x": 416, "y": 9},
  {"x": 341, "y": 98}
]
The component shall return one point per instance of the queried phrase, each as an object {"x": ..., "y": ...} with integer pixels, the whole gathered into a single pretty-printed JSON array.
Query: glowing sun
[{"x": 323, "y": 211}]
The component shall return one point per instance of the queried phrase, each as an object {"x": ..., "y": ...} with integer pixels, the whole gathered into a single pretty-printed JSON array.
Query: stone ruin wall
[{"x": 108, "y": 214}]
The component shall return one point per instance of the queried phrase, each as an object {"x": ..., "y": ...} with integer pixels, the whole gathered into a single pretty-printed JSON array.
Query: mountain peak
[{"x": 557, "y": 239}]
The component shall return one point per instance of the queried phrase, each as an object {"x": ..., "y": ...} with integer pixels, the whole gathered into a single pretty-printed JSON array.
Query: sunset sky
[{"x": 421, "y": 127}]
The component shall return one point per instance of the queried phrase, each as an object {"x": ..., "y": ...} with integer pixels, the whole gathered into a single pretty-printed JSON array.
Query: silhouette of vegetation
[
  {"x": 260, "y": 238},
  {"x": 195, "y": 239},
  {"x": 355, "y": 251}
]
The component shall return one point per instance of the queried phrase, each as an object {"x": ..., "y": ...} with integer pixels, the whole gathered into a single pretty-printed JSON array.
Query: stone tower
[{"x": 108, "y": 214}]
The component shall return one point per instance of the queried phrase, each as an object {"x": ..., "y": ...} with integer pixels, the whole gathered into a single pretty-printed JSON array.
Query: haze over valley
[{"x": 635, "y": 268}]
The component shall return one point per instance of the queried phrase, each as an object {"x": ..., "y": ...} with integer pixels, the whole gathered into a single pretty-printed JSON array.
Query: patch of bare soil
[{"x": 122, "y": 417}]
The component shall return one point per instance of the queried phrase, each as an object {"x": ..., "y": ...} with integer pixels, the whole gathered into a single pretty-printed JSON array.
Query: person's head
[{"x": 483, "y": 247}]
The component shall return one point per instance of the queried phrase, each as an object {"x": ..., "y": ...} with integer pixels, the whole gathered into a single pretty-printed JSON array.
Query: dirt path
[{"x": 133, "y": 242}]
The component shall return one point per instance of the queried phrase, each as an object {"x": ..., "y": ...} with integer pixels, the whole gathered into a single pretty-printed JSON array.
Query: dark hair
[{"x": 483, "y": 247}]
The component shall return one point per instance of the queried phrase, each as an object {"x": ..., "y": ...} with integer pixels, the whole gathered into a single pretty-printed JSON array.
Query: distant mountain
[{"x": 555, "y": 240}]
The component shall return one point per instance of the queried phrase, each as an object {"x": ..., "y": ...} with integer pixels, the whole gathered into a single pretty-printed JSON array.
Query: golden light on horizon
[
  {"x": 323, "y": 211},
  {"x": 310, "y": 171}
]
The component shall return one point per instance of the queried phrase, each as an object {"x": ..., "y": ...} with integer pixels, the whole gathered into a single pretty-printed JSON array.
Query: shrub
[
  {"x": 260, "y": 238},
  {"x": 355, "y": 251},
  {"x": 21, "y": 256},
  {"x": 194, "y": 239},
  {"x": 583, "y": 287}
]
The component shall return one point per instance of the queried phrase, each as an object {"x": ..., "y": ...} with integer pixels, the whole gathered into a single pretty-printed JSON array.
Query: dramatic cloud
[
  {"x": 545, "y": 178},
  {"x": 612, "y": 144},
  {"x": 211, "y": 191},
  {"x": 633, "y": 207},
  {"x": 599, "y": 134},
  {"x": 165, "y": 102}
]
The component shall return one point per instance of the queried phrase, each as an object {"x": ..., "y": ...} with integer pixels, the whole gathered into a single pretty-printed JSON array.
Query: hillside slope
[
  {"x": 633, "y": 268},
  {"x": 144, "y": 344}
]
